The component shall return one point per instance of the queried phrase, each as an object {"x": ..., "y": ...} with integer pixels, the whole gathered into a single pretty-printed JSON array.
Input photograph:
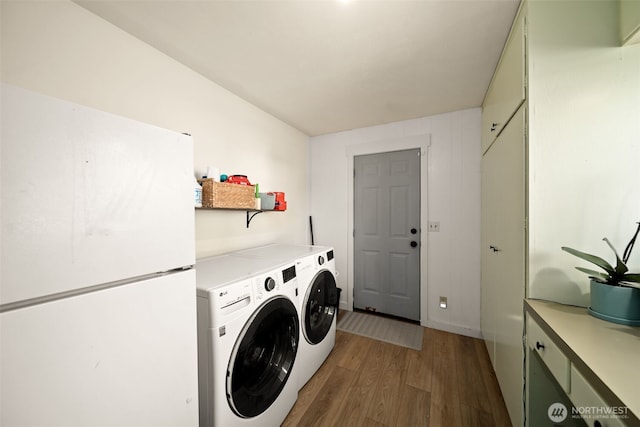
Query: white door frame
[{"x": 421, "y": 142}]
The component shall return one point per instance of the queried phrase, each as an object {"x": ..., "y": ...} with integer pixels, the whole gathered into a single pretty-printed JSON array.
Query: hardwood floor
[{"x": 365, "y": 382}]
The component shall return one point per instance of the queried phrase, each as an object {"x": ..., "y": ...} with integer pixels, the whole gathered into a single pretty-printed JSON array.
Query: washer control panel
[
  {"x": 289, "y": 274},
  {"x": 265, "y": 284}
]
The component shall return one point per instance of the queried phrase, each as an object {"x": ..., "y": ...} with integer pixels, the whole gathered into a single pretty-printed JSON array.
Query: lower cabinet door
[
  {"x": 548, "y": 404},
  {"x": 590, "y": 406},
  {"x": 503, "y": 263}
]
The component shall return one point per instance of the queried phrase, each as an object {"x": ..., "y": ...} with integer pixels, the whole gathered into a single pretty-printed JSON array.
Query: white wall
[
  {"x": 584, "y": 143},
  {"x": 452, "y": 169},
  {"x": 60, "y": 49}
]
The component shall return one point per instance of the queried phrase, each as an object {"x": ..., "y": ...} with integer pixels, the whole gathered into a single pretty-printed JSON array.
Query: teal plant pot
[{"x": 617, "y": 304}]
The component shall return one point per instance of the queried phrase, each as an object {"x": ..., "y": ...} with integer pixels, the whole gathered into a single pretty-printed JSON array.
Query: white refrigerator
[{"x": 97, "y": 291}]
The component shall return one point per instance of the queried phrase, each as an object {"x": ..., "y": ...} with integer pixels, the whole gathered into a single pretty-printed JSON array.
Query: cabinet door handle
[
  {"x": 494, "y": 126},
  {"x": 539, "y": 346},
  {"x": 494, "y": 248}
]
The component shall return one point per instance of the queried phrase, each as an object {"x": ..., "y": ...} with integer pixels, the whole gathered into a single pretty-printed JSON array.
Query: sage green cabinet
[
  {"x": 570, "y": 64},
  {"x": 503, "y": 220}
]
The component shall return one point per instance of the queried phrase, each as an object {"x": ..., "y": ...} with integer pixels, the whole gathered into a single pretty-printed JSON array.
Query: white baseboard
[{"x": 460, "y": 330}]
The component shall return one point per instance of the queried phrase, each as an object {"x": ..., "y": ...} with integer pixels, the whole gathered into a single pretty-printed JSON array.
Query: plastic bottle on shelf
[
  {"x": 258, "y": 199},
  {"x": 197, "y": 193},
  {"x": 214, "y": 173}
]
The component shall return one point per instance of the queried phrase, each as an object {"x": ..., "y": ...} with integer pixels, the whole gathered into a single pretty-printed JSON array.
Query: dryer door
[
  {"x": 320, "y": 307},
  {"x": 263, "y": 357}
]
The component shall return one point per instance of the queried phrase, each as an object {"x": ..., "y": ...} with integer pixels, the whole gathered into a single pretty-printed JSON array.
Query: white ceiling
[{"x": 324, "y": 66}]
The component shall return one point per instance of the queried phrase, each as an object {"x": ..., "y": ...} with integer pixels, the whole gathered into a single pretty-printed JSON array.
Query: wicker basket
[{"x": 225, "y": 195}]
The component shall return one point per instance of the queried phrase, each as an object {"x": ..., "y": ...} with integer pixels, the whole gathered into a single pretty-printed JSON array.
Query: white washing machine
[
  {"x": 248, "y": 341},
  {"x": 318, "y": 300}
]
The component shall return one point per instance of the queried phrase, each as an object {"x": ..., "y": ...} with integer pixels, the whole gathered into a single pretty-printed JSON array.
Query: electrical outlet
[
  {"x": 434, "y": 226},
  {"x": 443, "y": 302}
]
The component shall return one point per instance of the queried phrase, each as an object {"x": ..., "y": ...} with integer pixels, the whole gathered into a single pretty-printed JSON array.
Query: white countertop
[{"x": 610, "y": 351}]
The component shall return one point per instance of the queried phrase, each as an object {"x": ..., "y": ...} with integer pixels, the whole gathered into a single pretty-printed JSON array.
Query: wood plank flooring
[{"x": 365, "y": 382}]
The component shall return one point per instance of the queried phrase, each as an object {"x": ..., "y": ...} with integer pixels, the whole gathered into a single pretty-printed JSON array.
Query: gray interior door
[{"x": 387, "y": 233}]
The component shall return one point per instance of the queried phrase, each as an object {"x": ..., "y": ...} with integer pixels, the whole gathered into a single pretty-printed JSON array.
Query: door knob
[
  {"x": 414, "y": 243},
  {"x": 414, "y": 231}
]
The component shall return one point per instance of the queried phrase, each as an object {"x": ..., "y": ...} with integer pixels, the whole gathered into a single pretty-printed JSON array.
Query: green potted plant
[{"x": 615, "y": 292}]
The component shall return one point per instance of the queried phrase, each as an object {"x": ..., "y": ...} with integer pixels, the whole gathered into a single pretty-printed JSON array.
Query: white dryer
[
  {"x": 318, "y": 299},
  {"x": 248, "y": 342}
]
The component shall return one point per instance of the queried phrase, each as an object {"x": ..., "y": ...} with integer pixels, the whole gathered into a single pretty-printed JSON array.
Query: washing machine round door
[
  {"x": 263, "y": 357},
  {"x": 321, "y": 306}
]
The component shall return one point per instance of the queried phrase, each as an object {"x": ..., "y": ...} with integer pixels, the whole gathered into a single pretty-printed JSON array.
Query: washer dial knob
[{"x": 269, "y": 284}]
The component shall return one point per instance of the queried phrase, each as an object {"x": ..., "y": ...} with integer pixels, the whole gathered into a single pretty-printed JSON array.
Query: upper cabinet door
[
  {"x": 630, "y": 21},
  {"x": 507, "y": 90}
]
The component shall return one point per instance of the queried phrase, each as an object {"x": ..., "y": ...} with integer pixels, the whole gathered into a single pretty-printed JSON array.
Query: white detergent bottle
[{"x": 197, "y": 193}]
